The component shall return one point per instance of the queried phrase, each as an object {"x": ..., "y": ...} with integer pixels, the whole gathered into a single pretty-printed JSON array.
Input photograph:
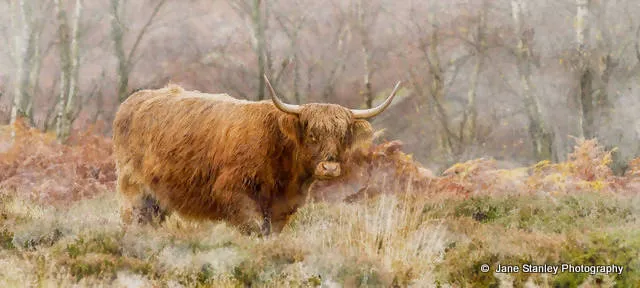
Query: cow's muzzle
[{"x": 327, "y": 170}]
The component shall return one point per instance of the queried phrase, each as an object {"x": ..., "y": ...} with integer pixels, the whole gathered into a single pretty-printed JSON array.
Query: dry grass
[{"x": 59, "y": 225}]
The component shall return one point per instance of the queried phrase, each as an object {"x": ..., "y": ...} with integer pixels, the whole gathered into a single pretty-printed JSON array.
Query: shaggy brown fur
[{"x": 210, "y": 156}]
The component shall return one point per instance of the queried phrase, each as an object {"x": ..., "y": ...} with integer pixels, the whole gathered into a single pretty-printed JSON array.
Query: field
[{"x": 60, "y": 227}]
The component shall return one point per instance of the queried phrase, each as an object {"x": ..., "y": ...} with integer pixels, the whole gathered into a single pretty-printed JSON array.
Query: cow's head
[{"x": 325, "y": 131}]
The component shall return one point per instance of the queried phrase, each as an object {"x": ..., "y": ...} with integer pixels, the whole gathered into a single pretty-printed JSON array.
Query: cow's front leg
[
  {"x": 281, "y": 212},
  {"x": 265, "y": 202},
  {"x": 266, "y": 224},
  {"x": 241, "y": 211},
  {"x": 243, "y": 202}
]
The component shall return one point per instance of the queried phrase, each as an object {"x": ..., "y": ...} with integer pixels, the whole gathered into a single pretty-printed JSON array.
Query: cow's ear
[
  {"x": 290, "y": 126},
  {"x": 362, "y": 133}
]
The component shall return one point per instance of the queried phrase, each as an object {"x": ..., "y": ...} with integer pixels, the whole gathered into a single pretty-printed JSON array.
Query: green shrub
[
  {"x": 6, "y": 239},
  {"x": 620, "y": 248},
  {"x": 98, "y": 244}
]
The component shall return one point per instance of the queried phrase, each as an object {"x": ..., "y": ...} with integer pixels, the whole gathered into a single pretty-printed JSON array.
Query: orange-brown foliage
[
  {"x": 480, "y": 176},
  {"x": 385, "y": 169},
  {"x": 36, "y": 166},
  {"x": 40, "y": 168},
  {"x": 632, "y": 175},
  {"x": 633, "y": 170}
]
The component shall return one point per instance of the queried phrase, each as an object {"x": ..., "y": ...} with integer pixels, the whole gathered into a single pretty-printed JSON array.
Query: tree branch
[
  {"x": 638, "y": 43},
  {"x": 143, "y": 31}
]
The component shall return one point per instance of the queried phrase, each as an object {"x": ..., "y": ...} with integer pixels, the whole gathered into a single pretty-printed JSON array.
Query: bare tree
[
  {"x": 540, "y": 135},
  {"x": 336, "y": 67},
  {"x": 366, "y": 14},
  {"x": 479, "y": 46},
  {"x": 69, "y": 67},
  {"x": 595, "y": 64},
  {"x": 437, "y": 90},
  {"x": 585, "y": 96},
  {"x": 20, "y": 31},
  {"x": 325, "y": 61},
  {"x": 432, "y": 84},
  {"x": 27, "y": 27},
  {"x": 260, "y": 46},
  {"x": 254, "y": 9},
  {"x": 291, "y": 26},
  {"x": 118, "y": 33}
]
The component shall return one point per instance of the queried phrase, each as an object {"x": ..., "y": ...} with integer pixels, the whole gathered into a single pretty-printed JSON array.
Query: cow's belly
[
  {"x": 204, "y": 203},
  {"x": 186, "y": 203}
]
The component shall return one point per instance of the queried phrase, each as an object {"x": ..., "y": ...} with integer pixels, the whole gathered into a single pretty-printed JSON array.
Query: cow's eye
[{"x": 312, "y": 138}]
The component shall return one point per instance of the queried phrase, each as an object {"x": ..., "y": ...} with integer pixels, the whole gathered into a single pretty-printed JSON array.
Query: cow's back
[{"x": 164, "y": 118}]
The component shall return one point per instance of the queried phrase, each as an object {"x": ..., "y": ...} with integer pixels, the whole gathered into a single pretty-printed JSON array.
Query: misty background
[{"x": 515, "y": 80}]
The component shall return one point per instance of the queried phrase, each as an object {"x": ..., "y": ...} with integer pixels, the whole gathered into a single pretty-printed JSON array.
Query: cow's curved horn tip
[{"x": 372, "y": 112}]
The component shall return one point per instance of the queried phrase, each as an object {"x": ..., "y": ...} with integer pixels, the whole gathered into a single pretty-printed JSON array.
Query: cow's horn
[
  {"x": 368, "y": 113},
  {"x": 293, "y": 109}
]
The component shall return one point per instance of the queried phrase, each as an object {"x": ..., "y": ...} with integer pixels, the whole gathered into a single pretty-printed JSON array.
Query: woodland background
[{"x": 510, "y": 79}]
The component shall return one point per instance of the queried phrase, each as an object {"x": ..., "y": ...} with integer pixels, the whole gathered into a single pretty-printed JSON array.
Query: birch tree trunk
[
  {"x": 541, "y": 137},
  {"x": 117, "y": 35},
  {"x": 585, "y": 96},
  {"x": 27, "y": 59},
  {"x": 267, "y": 50},
  {"x": 258, "y": 31},
  {"x": 70, "y": 66},
  {"x": 607, "y": 61},
  {"x": 296, "y": 72},
  {"x": 469, "y": 125},
  {"x": 34, "y": 72},
  {"x": 26, "y": 29},
  {"x": 65, "y": 65},
  {"x": 20, "y": 30},
  {"x": 366, "y": 54}
]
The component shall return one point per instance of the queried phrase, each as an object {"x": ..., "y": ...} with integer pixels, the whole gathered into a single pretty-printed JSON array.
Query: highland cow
[{"x": 211, "y": 156}]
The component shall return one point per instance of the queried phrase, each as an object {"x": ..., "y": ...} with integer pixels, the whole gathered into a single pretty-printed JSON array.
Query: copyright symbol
[{"x": 484, "y": 268}]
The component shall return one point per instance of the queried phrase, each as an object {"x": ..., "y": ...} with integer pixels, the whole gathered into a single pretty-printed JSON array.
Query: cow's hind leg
[
  {"x": 148, "y": 210},
  {"x": 244, "y": 213},
  {"x": 129, "y": 193},
  {"x": 137, "y": 203}
]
